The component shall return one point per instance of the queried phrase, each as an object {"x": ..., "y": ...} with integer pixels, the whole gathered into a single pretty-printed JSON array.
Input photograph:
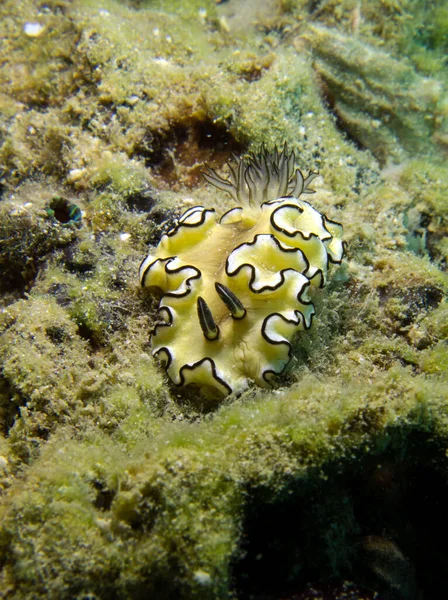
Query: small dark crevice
[
  {"x": 9, "y": 406},
  {"x": 89, "y": 335},
  {"x": 415, "y": 300},
  {"x": 161, "y": 221},
  {"x": 104, "y": 496},
  {"x": 142, "y": 201},
  {"x": 56, "y": 334},
  {"x": 63, "y": 211},
  {"x": 180, "y": 152},
  {"x": 60, "y": 292},
  {"x": 79, "y": 263}
]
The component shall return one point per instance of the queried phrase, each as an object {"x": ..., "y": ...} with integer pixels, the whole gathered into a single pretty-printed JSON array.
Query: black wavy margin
[
  {"x": 229, "y": 211},
  {"x": 252, "y": 268},
  {"x": 153, "y": 331},
  {"x": 170, "y": 358},
  {"x": 331, "y": 260},
  {"x": 197, "y": 364},
  {"x": 140, "y": 266},
  {"x": 281, "y": 200},
  {"x": 286, "y": 343},
  {"x": 172, "y": 232},
  {"x": 332, "y": 221},
  {"x": 305, "y": 286},
  {"x": 322, "y": 278},
  {"x": 297, "y": 312},
  {"x": 344, "y": 249},
  {"x": 323, "y": 217},
  {"x": 252, "y": 279},
  {"x": 344, "y": 244},
  {"x": 267, "y": 203},
  {"x": 197, "y": 275},
  {"x": 191, "y": 210},
  {"x": 184, "y": 367},
  {"x": 298, "y": 231},
  {"x": 304, "y": 237},
  {"x": 143, "y": 276}
]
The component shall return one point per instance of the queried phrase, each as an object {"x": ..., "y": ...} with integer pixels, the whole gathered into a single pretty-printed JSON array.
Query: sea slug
[{"x": 236, "y": 288}]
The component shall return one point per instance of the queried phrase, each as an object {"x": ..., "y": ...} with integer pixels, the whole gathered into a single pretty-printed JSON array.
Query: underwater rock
[
  {"x": 116, "y": 485},
  {"x": 390, "y": 566},
  {"x": 28, "y": 235},
  {"x": 382, "y": 102}
]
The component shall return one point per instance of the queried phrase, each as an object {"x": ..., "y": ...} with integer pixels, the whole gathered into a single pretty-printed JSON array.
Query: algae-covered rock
[
  {"x": 166, "y": 518},
  {"x": 115, "y": 484},
  {"x": 384, "y": 103},
  {"x": 29, "y": 234}
]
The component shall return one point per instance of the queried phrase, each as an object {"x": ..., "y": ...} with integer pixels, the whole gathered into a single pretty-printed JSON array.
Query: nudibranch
[{"x": 236, "y": 289}]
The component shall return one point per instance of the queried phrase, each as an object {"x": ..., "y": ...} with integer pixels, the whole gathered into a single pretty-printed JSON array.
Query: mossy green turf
[
  {"x": 114, "y": 483},
  {"x": 179, "y": 494}
]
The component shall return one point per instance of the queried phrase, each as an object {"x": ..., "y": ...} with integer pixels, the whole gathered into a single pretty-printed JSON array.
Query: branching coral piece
[{"x": 236, "y": 289}]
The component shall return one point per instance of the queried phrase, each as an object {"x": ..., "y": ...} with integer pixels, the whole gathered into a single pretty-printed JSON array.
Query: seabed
[{"x": 114, "y": 483}]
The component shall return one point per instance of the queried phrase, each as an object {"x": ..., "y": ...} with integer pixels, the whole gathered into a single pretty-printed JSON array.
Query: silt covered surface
[{"x": 115, "y": 484}]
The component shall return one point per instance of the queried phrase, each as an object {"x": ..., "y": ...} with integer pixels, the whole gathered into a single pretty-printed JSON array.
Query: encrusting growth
[{"x": 236, "y": 289}]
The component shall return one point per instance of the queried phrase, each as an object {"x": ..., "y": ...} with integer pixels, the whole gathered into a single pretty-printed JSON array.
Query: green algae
[
  {"x": 116, "y": 485},
  {"x": 384, "y": 102},
  {"x": 179, "y": 497},
  {"x": 28, "y": 234}
]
